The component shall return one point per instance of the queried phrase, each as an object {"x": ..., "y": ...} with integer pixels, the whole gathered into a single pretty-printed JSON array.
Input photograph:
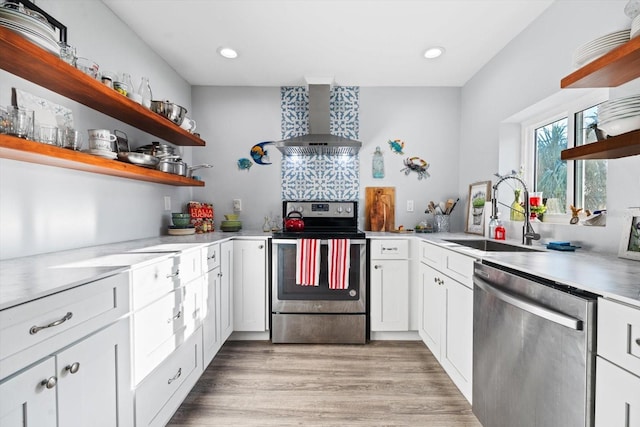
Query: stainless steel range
[{"x": 320, "y": 313}]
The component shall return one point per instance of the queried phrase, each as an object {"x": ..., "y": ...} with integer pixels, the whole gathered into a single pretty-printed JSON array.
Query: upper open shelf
[
  {"x": 26, "y": 60},
  {"x": 616, "y": 67}
]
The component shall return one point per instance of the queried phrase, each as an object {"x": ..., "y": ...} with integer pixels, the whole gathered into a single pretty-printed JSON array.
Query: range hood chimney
[{"x": 319, "y": 140}]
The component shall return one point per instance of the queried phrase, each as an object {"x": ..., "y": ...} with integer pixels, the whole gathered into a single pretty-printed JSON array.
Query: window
[
  {"x": 550, "y": 176},
  {"x": 590, "y": 176},
  {"x": 582, "y": 183}
]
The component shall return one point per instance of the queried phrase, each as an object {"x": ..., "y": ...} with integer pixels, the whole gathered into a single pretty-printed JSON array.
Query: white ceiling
[{"x": 352, "y": 42}]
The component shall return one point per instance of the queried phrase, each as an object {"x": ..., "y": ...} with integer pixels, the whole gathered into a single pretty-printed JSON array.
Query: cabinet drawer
[
  {"x": 45, "y": 325},
  {"x": 389, "y": 249},
  {"x": 431, "y": 254},
  {"x": 617, "y": 396},
  {"x": 162, "y": 326},
  {"x": 619, "y": 334},
  {"x": 213, "y": 256},
  {"x": 189, "y": 265},
  {"x": 151, "y": 282},
  {"x": 458, "y": 267},
  {"x": 160, "y": 394}
]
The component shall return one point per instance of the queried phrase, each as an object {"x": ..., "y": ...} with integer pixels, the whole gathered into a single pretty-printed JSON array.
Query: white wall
[
  {"x": 525, "y": 72},
  {"x": 236, "y": 118},
  {"x": 45, "y": 209}
]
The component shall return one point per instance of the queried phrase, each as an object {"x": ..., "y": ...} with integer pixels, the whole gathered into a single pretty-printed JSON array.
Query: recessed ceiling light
[
  {"x": 433, "y": 52},
  {"x": 227, "y": 52}
]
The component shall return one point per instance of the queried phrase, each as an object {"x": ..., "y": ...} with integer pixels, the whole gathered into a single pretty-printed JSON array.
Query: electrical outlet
[
  {"x": 167, "y": 203},
  {"x": 409, "y": 205},
  {"x": 237, "y": 205}
]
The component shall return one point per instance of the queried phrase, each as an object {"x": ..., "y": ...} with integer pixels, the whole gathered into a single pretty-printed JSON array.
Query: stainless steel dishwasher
[{"x": 533, "y": 350}]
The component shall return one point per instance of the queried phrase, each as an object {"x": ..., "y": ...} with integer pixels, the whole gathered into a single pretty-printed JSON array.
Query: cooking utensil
[
  {"x": 172, "y": 165},
  {"x": 190, "y": 169},
  {"x": 294, "y": 221},
  {"x": 169, "y": 110},
  {"x": 125, "y": 155}
]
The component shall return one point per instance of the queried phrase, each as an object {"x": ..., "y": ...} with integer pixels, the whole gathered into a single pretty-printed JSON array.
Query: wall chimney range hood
[{"x": 319, "y": 140}]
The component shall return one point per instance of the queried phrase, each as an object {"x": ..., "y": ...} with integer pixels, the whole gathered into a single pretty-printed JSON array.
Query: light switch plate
[
  {"x": 237, "y": 205},
  {"x": 409, "y": 205}
]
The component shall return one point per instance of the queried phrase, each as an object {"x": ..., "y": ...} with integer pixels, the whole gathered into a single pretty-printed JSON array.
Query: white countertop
[{"x": 29, "y": 278}]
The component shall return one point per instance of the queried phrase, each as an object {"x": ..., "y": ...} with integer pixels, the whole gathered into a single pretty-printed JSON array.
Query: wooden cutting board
[{"x": 380, "y": 208}]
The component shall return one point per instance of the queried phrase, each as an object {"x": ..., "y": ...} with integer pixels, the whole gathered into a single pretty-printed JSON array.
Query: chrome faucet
[{"x": 528, "y": 233}]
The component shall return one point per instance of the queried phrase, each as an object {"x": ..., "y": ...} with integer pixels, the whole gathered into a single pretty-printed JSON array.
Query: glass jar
[{"x": 378, "y": 164}]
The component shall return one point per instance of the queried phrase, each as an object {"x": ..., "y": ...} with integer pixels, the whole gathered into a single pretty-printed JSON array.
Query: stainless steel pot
[
  {"x": 169, "y": 110},
  {"x": 172, "y": 165}
]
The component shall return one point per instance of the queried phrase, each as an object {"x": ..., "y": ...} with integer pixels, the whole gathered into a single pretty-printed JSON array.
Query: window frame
[{"x": 566, "y": 110}]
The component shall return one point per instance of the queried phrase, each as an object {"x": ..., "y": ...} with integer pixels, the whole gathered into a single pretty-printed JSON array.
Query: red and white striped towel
[
  {"x": 307, "y": 262},
  {"x": 339, "y": 263}
]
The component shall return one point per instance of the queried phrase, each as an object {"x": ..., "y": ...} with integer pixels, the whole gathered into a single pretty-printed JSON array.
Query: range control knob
[
  {"x": 300, "y": 209},
  {"x": 340, "y": 209},
  {"x": 349, "y": 209}
]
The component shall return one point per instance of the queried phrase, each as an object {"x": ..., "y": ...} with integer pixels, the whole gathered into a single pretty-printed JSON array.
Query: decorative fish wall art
[
  {"x": 259, "y": 154},
  {"x": 244, "y": 163}
]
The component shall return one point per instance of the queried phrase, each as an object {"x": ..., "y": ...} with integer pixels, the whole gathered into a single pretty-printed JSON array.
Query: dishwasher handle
[{"x": 528, "y": 306}]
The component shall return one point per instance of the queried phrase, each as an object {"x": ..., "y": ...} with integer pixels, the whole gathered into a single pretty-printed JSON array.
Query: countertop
[{"x": 29, "y": 278}]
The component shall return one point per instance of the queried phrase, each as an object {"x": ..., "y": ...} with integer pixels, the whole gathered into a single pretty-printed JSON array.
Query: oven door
[{"x": 288, "y": 297}]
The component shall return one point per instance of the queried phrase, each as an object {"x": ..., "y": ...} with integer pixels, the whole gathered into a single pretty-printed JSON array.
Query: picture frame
[
  {"x": 479, "y": 194},
  {"x": 630, "y": 238}
]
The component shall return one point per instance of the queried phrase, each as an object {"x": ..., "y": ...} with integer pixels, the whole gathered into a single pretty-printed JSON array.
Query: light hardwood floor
[{"x": 383, "y": 383}]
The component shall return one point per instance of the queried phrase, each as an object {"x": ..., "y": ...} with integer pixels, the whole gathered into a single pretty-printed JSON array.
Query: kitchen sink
[{"x": 487, "y": 245}]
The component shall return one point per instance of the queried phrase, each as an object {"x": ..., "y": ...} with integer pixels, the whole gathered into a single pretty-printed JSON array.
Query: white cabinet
[
  {"x": 618, "y": 365},
  {"x": 226, "y": 289},
  {"x": 26, "y": 401},
  {"x": 389, "y": 279},
  {"x": 65, "y": 357},
  {"x": 163, "y": 391},
  {"x": 167, "y": 301},
  {"x": 91, "y": 380},
  {"x": 250, "y": 285},
  {"x": 211, "y": 333},
  {"x": 446, "y": 299}
]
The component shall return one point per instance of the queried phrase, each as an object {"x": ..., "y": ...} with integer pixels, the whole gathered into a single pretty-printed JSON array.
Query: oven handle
[
  {"x": 535, "y": 309},
  {"x": 322, "y": 241}
]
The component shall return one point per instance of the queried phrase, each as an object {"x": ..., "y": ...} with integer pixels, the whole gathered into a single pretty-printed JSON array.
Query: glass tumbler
[
  {"x": 20, "y": 122},
  {"x": 48, "y": 135},
  {"x": 71, "y": 139}
]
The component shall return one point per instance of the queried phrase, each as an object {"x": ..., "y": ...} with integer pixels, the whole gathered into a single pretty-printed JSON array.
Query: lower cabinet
[
  {"x": 163, "y": 391},
  {"x": 211, "y": 333},
  {"x": 90, "y": 378},
  {"x": 389, "y": 285},
  {"x": 226, "y": 290},
  {"x": 250, "y": 285},
  {"x": 446, "y": 324},
  {"x": 618, "y": 365}
]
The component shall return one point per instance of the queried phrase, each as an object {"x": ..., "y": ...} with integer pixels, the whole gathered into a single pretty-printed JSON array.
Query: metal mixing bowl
[{"x": 171, "y": 111}]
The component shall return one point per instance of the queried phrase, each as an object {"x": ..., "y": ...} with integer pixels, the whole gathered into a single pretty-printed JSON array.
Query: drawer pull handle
[
  {"x": 176, "y": 317},
  {"x": 35, "y": 329},
  {"x": 389, "y": 249},
  {"x": 377, "y": 266},
  {"x": 73, "y": 368},
  {"x": 169, "y": 276},
  {"x": 219, "y": 274},
  {"x": 213, "y": 256},
  {"x": 49, "y": 382},
  {"x": 175, "y": 377}
]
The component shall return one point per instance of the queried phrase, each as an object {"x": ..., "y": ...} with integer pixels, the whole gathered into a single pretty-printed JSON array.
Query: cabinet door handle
[
  {"x": 219, "y": 274},
  {"x": 638, "y": 341},
  {"x": 261, "y": 247},
  {"x": 169, "y": 276},
  {"x": 49, "y": 382},
  {"x": 377, "y": 266},
  {"x": 73, "y": 368},
  {"x": 213, "y": 256},
  {"x": 175, "y": 377},
  {"x": 35, "y": 329},
  {"x": 176, "y": 317}
]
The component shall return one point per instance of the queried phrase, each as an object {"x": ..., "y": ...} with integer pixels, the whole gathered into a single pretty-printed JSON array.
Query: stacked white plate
[
  {"x": 598, "y": 47},
  {"x": 619, "y": 115},
  {"x": 635, "y": 27},
  {"x": 32, "y": 26}
]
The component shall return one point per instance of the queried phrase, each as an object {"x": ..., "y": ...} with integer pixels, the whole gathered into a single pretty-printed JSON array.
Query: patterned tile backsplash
[{"x": 320, "y": 177}]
